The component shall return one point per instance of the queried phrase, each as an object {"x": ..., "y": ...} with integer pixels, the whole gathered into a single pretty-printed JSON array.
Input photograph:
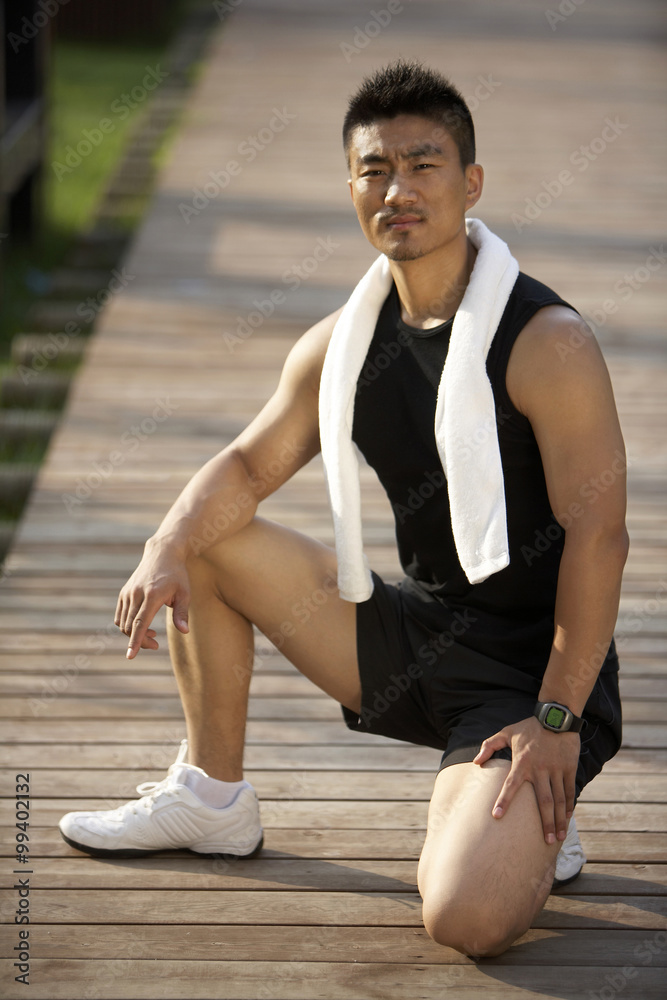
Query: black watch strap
[{"x": 557, "y": 718}]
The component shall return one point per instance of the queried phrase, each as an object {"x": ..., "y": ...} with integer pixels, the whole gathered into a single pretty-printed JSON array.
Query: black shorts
[{"x": 454, "y": 699}]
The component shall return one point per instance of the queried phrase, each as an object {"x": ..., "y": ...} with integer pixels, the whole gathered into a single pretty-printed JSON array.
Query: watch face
[{"x": 555, "y": 717}]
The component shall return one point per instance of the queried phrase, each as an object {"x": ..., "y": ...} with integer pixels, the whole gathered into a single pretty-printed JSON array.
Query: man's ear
[{"x": 475, "y": 179}]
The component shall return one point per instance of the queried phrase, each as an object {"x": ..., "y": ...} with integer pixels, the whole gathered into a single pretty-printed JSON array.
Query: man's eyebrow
[{"x": 427, "y": 149}]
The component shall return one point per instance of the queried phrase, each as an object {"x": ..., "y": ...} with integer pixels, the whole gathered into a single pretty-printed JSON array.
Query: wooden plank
[
  {"x": 48, "y": 702},
  {"x": 623, "y": 789},
  {"x": 566, "y": 947},
  {"x": 378, "y": 815},
  {"x": 266, "y": 683},
  {"x": 187, "y": 871},
  {"x": 600, "y": 846},
  {"x": 295, "y": 907},
  {"x": 108, "y": 662},
  {"x": 120, "y": 730},
  {"x": 373, "y": 756},
  {"x": 274, "y": 684},
  {"x": 172, "y": 980},
  {"x": 386, "y": 757},
  {"x": 317, "y": 707}
]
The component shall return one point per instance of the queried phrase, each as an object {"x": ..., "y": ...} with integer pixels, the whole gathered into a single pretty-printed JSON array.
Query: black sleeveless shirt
[{"x": 510, "y": 615}]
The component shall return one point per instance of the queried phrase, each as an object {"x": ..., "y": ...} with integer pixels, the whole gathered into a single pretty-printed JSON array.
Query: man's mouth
[{"x": 398, "y": 223}]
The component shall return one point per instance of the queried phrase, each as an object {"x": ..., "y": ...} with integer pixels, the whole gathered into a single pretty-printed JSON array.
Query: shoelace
[{"x": 150, "y": 789}]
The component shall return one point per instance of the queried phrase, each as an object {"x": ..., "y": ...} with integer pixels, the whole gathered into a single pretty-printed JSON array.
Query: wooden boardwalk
[{"x": 222, "y": 283}]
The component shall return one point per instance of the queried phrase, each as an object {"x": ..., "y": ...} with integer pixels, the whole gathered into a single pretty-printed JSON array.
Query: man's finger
[
  {"x": 490, "y": 745},
  {"x": 140, "y": 625},
  {"x": 545, "y": 803},
  {"x": 119, "y": 610},
  {"x": 131, "y": 609},
  {"x": 560, "y": 808},
  {"x": 180, "y": 613},
  {"x": 510, "y": 787},
  {"x": 149, "y": 641}
]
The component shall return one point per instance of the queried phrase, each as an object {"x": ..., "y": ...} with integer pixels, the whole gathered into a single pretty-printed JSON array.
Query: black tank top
[{"x": 513, "y": 610}]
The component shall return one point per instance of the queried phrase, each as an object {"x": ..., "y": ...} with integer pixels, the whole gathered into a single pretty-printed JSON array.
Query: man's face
[{"x": 408, "y": 186}]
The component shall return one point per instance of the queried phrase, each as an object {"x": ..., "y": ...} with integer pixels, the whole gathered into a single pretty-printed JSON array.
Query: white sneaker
[
  {"x": 571, "y": 858},
  {"x": 167, "y": 817}
]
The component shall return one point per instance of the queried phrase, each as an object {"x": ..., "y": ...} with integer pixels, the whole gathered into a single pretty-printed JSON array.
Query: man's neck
[{"x": 431, "y": 288}]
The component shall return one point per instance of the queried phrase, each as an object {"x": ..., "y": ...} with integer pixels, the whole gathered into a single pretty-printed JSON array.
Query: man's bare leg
[
  {"x": 259, "y": 576},
  {"x": 482, "y": 880}
]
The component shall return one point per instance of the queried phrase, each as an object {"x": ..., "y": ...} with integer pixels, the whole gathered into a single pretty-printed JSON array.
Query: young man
[{"x": 498, "y": 673}]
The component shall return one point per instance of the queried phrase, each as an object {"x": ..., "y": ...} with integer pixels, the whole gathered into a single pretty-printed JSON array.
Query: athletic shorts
[{"x": 454, "y": 700}]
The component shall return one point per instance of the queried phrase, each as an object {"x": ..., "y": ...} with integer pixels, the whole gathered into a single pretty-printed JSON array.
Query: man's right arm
[{"x": 222, "y": 498}]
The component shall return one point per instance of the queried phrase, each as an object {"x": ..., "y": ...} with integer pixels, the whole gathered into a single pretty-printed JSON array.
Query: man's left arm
[{"x": 558, "y": 379}]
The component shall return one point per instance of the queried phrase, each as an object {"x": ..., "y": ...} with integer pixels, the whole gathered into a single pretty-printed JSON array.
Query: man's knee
[{"x": 478, "y": 932}]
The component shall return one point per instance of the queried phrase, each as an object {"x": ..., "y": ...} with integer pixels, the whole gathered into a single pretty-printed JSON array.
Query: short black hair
[{"x": 409, "y": 88}]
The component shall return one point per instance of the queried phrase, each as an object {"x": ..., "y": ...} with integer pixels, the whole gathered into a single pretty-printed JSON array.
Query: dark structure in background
[
  {"x": 27, "y": 28},
  {"x": 26, "y": 34},
  {"x": 115, "y": 20}
]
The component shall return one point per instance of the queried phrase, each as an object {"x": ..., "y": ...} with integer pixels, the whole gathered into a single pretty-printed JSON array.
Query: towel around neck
[{"x": 465, "y": 404}]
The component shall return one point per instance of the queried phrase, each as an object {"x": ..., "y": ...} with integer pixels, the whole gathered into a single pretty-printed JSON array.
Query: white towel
[{"x": 465, "y": 406}]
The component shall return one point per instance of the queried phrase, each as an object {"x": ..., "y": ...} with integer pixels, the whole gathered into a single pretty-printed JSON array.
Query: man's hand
[
  {"x": 548, "y": 761},
  {"x": 159, "y": 579}
]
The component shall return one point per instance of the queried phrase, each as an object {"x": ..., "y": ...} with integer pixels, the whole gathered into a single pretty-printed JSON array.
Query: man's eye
[{"x": 422, "y": 166}]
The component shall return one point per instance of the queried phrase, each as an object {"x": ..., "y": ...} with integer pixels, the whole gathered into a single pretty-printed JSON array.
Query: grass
[{"x": 88, "y": 87}]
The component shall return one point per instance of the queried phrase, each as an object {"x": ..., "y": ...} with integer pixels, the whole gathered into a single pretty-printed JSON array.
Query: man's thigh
[
  {"x": 285, "y": 584},
  {"x": 482, "y": 879}
]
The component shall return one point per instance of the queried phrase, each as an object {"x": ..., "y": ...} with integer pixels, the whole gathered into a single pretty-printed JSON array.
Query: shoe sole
[
  {"x": 558, "y": 883},
  {"x": 104, "y": 852}
]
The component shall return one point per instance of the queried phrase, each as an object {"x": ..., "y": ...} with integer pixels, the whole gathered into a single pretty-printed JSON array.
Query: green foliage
[
  {"x": 85, "y": 81},
  {"x": 88, "y": 83}
]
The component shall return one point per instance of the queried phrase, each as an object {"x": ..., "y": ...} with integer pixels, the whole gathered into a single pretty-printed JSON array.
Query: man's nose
[{"x": 400, "y": 192}]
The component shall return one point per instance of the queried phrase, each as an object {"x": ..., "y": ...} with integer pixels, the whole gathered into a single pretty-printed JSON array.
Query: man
[{"x": 437, "y": 660}]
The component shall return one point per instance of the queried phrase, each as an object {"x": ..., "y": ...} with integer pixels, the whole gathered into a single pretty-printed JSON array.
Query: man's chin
[{"x": 402, "y": 251}]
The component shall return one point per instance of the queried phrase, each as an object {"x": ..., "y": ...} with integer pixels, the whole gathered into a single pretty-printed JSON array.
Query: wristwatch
[{"x": 558, "y": 718}]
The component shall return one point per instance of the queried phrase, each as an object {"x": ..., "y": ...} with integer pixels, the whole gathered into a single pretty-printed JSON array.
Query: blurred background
[
  {"x": 81, "y": 138},
  {"x": 92, "y": 93}
]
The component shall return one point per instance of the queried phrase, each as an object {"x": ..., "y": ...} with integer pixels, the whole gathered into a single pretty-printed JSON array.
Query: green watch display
[{"x": 557, "y": 718}]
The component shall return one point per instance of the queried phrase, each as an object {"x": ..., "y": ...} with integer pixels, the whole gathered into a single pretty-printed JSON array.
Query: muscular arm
[
  {"x": 566, "y": 394},
  {"x": 224, "y": 495},
  {"x": 568, "y": 398}
]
